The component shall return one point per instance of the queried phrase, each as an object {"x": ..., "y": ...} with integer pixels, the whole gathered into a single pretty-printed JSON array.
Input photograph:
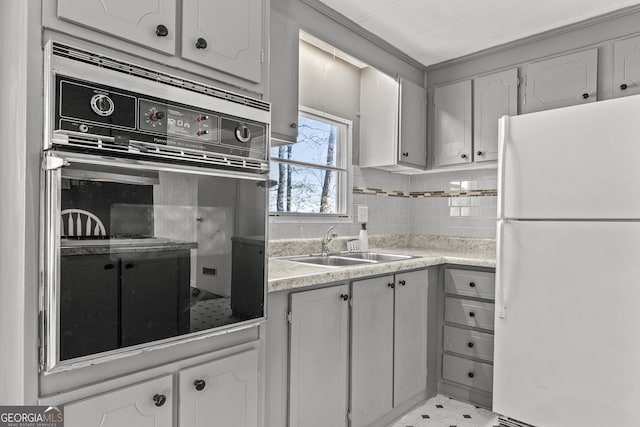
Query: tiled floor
[{"x": 442, "y": 411}]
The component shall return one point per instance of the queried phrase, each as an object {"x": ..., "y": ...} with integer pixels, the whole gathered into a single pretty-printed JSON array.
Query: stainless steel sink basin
[
  {"x": 352, "y": 258},
  {"x": 330, "y": 260},
  {"x": 378, "y": 257}
]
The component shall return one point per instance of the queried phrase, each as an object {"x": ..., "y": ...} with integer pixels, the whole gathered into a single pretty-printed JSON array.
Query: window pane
[
  {"x": 317, "y": 143},
  {"x": 304, "y": 189}
]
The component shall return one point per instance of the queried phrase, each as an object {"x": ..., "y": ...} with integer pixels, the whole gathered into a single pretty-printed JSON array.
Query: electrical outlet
[
  {"x": 210, "y": 271},
  {"x": 363, "y": 214}
]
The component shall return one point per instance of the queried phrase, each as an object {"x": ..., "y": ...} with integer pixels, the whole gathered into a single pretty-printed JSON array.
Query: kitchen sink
[{"x": 352, "y": 258}]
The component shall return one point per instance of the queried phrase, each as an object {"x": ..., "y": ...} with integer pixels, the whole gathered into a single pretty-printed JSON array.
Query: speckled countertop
[
  {"x": 428, "y": 250},
  {"x": 111, "y": 246}
]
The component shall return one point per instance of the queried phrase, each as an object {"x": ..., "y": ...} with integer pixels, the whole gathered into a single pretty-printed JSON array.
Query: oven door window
[{"x": 144, "y": 256}]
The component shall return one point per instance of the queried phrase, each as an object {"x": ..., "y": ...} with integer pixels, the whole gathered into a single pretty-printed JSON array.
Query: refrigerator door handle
[
  {"x": 500, "y": 303},
  {"x": 503, "y": 132}
]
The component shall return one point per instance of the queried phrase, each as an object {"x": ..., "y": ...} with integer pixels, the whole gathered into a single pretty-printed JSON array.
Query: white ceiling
[{"x": 433, "y": 31}]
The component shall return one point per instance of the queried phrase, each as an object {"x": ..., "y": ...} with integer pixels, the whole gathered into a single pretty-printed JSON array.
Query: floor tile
[{"x": 442, "y": 411}]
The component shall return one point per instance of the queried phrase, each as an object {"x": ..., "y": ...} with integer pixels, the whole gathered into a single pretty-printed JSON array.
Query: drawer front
[
  {"x": 469, "y": 343},
  {"x": 478, "y": 284},
  {"x": 469, "y": 312},
  {"x": 464, "y": 371}
]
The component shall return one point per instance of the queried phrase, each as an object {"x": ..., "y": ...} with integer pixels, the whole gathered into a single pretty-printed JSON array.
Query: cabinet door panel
[
  {"x": 319, "y": 358},
  {"x": 626, "y": 67},
  {"x": 410, "y": 338},
  {"x": 371, "y": 350},
  {"x": 413, "y": 124},
  {"x": 228, "y": 395},
  {"x": 232, "y": 31},
  {"x": 135, "y": 21},
  {"x": 453, "y": 131},
  {"x": 283, "y": 77},
  {"x": 132, "y": 406},
  {"x": 494, "y": 96},
  {"x": 562, "y": 81}
]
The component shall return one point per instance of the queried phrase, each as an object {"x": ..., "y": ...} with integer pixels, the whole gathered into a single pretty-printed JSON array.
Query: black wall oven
[{"x": 154, "y": 209}]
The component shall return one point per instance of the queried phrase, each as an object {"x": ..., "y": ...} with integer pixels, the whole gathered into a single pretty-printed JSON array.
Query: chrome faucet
[{"x": 324, "y": 243}]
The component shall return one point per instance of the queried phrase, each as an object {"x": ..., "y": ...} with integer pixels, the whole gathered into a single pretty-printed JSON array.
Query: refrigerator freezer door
[
  {"x": 567, "y": 351},
  {"x": 577, "y": 162}
]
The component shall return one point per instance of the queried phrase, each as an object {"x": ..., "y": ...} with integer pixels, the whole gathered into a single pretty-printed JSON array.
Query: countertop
[
  {"x": 110, "y": 246},
  {"x": 285, "y": 274}
]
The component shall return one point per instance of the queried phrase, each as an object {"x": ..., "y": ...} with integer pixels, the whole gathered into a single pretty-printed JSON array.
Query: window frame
[{"x": 344, "y": 193}]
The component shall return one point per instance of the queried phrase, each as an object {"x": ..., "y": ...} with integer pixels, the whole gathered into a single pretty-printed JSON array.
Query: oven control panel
[{"x": 129, "y": 117}]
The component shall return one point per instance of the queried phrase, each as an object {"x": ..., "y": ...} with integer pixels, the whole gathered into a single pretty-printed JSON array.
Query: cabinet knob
[
  {"x": 472, "y": 284},
  {"x": 162, "y": 31},
  {"x": 405, "y": 154},
  {"x": 344, "y": 297},
  {"x": 201, "y": 43},
  {"x": 199, "y": 384},
  {"x": 470, "y": 375},
  {"x": 402, "y": 282},
  {"x": 585, "y": 95},
  {"x": 293, "y": 125},
  {"x": 128, "y": 266},
  {"x": 479, "y": 153},
  {"x": 472, "y": 314},
  {"x": 470, "y": 345},
  {"x": 463, "y": 156},
  {"x": 159, "y": 399},
  {"x": 391, "y": 285},
  {"x": 108, "y": 267},
  {"x": 623, "y": 86}
]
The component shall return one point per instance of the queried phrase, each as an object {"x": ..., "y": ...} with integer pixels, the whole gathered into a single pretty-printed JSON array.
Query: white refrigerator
[{"x": 567, "y": 325}]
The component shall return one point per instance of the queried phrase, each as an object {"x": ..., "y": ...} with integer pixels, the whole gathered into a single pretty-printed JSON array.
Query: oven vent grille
[
  {"x": 158, "y": 152},
  {"x": 110, "y": 63}
]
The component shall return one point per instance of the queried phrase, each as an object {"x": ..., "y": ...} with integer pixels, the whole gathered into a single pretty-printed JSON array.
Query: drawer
[
  {"x": 469, "y": 312},
  {"x": 464, "y": 371},
  {"x": 470, "y": 343},
  {"x": 478, "y": 284}
]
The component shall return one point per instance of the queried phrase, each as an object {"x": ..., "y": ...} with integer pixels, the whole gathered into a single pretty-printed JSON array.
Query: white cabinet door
[
  {"x": 371, "y": 350},
  {"x": 453, "y": 125},
  {"x": 561, "y": 81},
  {"x": 494, "y": 96},
  {"x": 626, "y": 67},
  {"x": 378, "y": 119},
  {"x": 142, "y": 21},
  {"x": 283, "y": 77},
  {"x": 319, "y": 357},
  {"x": 222, "y": 392},
  {"x": 148, "y": 404},
  {"x": 225, "y": 35},
  {"x": 410, "y": 338},
  {"x": 413, "y": 124}
]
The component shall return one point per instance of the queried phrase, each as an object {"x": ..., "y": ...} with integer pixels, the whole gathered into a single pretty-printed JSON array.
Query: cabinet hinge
[
  {"x": 349, "y": 416},
  {"x": 261, "y": 56},
  {"x": 289, "y": 318},
  {"x": 351, "y": 301},
  {"x": 517, "y": 81}
]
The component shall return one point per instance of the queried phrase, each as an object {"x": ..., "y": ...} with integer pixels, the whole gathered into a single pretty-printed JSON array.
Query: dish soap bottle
[{"x": 364, "y": 239}]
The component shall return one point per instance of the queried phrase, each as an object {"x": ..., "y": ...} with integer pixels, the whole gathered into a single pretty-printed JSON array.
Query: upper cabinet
[
  {"x": 626, "y": 67},
  {"x": 224, "y": 36},
  {"x": 393, "y": 117},
  {"x": 283, "y": 78},
  {"x": 453, "y": 131},
  {"x": 149, "y": 23},
  {"x": 494, "y": 95},
  {"x": 561, "y": 81}
]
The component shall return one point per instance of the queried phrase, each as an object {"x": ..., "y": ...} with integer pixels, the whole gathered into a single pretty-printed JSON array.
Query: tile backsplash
[{"x": 461, "y": 204}]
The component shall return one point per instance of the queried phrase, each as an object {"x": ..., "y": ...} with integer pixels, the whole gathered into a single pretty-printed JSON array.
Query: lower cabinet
[
  {"x": 383, "y": 366},
  {"x": 220, "y": 392}
]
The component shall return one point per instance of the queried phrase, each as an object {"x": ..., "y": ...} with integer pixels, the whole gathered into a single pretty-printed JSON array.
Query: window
[{"x": 312, "y": 176}]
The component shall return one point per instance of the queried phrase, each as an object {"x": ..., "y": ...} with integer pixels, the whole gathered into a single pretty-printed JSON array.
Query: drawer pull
[
  {"x": 472, "y": 314},
  {"x": 470, "y": 345},
  {"x": 344, "y": 297},
  {"x": 199, "y": 384},
  {"x": 470, "y": 375},
  {"x": 402, "y": 282},
  {"x": 391, "y": 285},
  {"x": 472, "y": 284}
]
